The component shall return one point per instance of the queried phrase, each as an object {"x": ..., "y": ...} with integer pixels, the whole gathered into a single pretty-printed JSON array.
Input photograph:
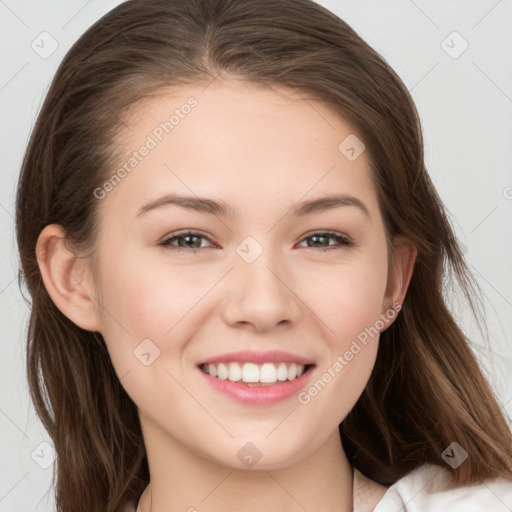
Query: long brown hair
[{"x": 426, "y": 390}]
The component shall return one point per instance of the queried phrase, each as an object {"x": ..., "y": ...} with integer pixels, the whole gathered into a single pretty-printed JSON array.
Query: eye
[
  {"x": 186, "y": 240},
  {"x": 318, "y": 238},
  {"x": 193, "y": 240}
]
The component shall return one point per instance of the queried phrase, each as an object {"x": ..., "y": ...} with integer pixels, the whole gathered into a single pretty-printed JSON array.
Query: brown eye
[
  {"x": 321, "y": 238},
  {"x": 188, "y": 240}
]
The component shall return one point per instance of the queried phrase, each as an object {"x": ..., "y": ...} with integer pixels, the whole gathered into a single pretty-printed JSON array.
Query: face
[{"x": 249, "y": 273}]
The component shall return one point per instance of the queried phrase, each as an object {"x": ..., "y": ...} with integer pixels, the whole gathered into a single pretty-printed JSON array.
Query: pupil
[
  {"x": 316, "y": 237},
  {"x": 187, "y": 239}
]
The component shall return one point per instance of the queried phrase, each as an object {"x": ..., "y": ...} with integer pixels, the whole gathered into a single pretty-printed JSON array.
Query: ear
[
  {"x": 66, "y": 278},
  {"x": 401, "y": 266}
]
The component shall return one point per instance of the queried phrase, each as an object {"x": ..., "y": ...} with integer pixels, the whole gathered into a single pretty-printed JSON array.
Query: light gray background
[{"x": 465, "y": 104}]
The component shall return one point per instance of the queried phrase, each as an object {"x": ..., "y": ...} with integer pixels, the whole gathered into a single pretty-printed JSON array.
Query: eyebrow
[{"x": 220, "y": 208}]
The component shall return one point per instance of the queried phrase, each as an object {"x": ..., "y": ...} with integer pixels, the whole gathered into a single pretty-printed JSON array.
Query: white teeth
[
  {"x": 212, "y": 370},
  {"x": 282, "y": 372},
  {"x": 267, "y": 373},
  {"x": 222, "y": 371},
  {"x": 235, "y": 372},
  {"x": 292, "y": 371},
  {"x": 250, "y": 372}
]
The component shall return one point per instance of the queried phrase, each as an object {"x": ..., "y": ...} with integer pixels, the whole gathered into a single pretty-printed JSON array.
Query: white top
[{"x": 427, "y": 489}]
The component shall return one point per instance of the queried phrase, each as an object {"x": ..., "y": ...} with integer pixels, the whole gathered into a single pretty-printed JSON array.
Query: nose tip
[{"x": 260, "y": 297}]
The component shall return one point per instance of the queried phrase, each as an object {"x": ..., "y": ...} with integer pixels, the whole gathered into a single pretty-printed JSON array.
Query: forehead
[{"x": 248, "y": 145}]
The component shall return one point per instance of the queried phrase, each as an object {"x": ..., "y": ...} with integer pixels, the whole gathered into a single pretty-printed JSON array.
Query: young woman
[{"x": 237, "y": 263}]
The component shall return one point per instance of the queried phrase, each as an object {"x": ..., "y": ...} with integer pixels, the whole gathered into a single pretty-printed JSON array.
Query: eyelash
[{"x": 343, "y": 240}]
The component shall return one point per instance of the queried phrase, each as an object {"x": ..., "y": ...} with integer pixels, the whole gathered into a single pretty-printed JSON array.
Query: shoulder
[{"x": 429, "y": 488}]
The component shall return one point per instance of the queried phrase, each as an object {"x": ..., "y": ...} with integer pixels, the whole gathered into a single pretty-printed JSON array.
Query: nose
[{"x": 261, "y": 295}]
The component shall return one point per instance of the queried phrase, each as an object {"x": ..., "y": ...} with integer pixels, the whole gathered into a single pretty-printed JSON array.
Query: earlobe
[{"x": 64, "y": 276}]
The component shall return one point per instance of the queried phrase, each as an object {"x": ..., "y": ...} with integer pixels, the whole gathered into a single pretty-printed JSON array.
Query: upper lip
[{"x": 251, "y": 356}]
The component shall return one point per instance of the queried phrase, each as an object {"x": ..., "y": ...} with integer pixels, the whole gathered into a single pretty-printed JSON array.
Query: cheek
[
  {"x": 347, "y": 299},
  {"x": 349, "y": 310},
  {"x": 351, "y": 307},
  {"x": 142, "y": 314},
  {"x": 147, "y": 296},
  {"x": 142, "y": 301}
]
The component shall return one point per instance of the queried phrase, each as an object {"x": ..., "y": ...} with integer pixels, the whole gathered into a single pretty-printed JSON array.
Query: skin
[{"x": 261, "y": 151}]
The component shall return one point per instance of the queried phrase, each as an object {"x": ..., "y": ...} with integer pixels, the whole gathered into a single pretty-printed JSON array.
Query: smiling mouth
[{"x": 256, "y": 374}]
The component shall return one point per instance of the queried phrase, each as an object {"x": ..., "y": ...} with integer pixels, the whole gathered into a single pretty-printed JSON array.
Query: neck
[{"x": 184, "y": 481}]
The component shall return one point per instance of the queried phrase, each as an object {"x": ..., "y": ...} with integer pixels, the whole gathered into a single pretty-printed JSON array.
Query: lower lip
[{"x": 258, "y": 395}]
